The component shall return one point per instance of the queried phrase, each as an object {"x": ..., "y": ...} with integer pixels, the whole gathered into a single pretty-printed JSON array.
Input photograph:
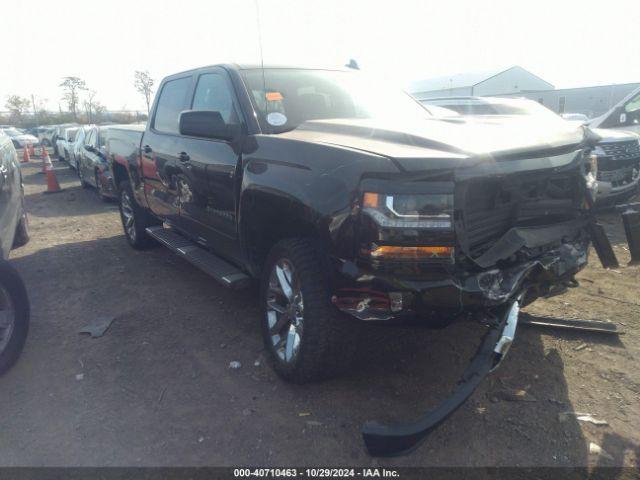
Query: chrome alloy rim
[
  {"x": 285, "y": 311},
  {"x": 127, "y": 216},
  {"x": 7, "y": 318}
]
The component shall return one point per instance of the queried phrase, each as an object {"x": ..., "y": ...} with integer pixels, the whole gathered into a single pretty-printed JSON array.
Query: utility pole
[{"x": 35, "y": 113}]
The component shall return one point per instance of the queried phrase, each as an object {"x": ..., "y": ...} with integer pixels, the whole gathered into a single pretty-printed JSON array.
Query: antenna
[{"x": 264, "y": 81}]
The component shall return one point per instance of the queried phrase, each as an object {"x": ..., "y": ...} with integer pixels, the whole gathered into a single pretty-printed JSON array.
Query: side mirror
[
  {"x": 89, "y": 148},
  {"x": 205, "y": 124}
]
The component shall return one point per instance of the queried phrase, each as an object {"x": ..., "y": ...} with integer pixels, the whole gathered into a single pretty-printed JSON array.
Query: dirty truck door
[
  {"x": 160, "y": 146},
  {"x": 208, "y": 180}
]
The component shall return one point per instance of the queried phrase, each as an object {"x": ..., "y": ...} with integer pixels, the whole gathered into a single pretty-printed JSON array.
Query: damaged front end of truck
[{"x": 480, "y": 240}]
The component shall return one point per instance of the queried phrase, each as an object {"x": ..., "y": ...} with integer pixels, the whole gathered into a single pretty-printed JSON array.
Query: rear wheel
[
  {"x": 83, "y": 182},
  {"x": 135, "y": 219},
  {"x": 14, "y": 316},
  {"x": 307, "y": 338}
]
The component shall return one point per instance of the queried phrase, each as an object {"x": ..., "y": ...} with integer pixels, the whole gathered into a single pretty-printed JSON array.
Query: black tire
[
  {"x": 83, "y": 182},
  {"x": 135, "y": 234},
  {"x": 100, "y": 189},
  {"x": 13, "y": 287},
  {"x": 327, "y": 342},
  {"x": 21, "y": 237}
]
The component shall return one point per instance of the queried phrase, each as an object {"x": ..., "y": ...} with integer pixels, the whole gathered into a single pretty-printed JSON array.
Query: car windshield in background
[
  {"x": 294, "y": 96},
  {"x": 13, "y": 132}
]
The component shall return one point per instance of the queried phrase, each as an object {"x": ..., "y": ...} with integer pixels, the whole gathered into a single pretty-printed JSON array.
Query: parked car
[
  {"x": 617, "y": 155},
  {"x": 19, "y": 138},
  {"x": 618, "y": 152},
  {"x": 58, "y": 133},
  {"x": 624, "y": 116},
  {"x": 77, "y": 149},
  {"x": 14, "y": 302},
  {"x": 93, "y": 168},
  {"x": 45, "y": 135},
  {"x": 65, "y": 142}
]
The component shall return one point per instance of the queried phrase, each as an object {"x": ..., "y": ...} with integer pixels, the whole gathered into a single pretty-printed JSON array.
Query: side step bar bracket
[{"x": 221, "y": 270}]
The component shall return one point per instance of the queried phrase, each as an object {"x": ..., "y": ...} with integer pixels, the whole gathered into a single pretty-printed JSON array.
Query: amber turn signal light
[
  {"x": 387, "y": 251},
  {"x": 371, "y": 200}
]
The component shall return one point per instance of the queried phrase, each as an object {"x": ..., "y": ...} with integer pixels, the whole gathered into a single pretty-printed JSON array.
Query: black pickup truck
[{"x": 348, "y": 200}]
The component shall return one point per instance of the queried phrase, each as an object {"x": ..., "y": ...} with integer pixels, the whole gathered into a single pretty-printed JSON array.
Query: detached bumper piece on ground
[{"x": 392, "y": 440}]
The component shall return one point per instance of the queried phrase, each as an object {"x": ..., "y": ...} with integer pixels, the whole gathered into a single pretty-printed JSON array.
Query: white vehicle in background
[
  {"x": 617, "y": 153},
  {"x": 624, "y": 116},
  {"x": 19, "y": 138},
  {"x": 65, "y": 142}
]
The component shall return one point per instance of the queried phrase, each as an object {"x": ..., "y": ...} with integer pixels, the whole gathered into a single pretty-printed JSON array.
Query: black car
[
  {"x": 93, "y": 168},
  {"x": 347, "y": 201},
  {"x": 14, "y": 302}
]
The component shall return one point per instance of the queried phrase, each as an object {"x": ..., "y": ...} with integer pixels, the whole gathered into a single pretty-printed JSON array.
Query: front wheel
[
  {"x": 14, "y": 316},
  {"x": 307, "y": 338}
]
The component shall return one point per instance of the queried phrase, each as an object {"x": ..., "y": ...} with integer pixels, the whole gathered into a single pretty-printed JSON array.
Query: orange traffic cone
[
  {"x": 25, "y": 156},
  {"x": 52, "y": 182},
  {"x": 46, "y": 161},
  {"x": 32, "y": 151}
]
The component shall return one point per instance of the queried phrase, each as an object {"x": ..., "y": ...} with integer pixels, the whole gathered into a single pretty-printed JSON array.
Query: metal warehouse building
[
  {"x": 498, "y": 82},
  {"x": 591, "y": 101}
]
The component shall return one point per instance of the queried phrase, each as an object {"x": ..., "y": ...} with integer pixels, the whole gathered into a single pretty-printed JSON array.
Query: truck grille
[
  {"x": 492, "y": 206},
  {"x": 621, "y": 150}
]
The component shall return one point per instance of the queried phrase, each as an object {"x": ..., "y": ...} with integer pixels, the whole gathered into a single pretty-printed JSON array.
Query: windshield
[
  {"x": 71, "y": 134},
  {"x": 13, "y": 132},
  {"x": 294, "y": 96}
]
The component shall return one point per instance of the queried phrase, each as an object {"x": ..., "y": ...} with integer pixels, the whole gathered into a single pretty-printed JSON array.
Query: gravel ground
[{"x": 157, "y": 390}]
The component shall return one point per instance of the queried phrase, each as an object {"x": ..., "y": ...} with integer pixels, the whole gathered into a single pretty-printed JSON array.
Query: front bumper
[
  {"x": 437, "y": 291},
  {"x": 393, "y": 440}
]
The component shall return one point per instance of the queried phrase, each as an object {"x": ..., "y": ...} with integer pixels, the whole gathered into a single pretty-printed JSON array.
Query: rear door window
[{"x": 173, "y": 100}]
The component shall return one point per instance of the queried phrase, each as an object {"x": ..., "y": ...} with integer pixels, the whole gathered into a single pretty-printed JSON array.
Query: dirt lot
[{"x": 157, "y": 389}]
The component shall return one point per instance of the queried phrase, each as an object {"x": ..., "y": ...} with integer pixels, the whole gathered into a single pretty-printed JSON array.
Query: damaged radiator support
[{"x": 392, "y": 440}]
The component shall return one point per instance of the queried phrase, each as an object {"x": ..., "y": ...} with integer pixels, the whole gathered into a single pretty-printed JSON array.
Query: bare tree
[
  {"x": 144, "y": 85},
  {"x": 71, "y": 87},
  {"x": 17, "y": 106},
  {"x": 89, "y": 104}
]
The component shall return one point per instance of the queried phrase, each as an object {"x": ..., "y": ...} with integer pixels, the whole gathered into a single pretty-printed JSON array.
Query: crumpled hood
[{"x": 413, "y": 145}]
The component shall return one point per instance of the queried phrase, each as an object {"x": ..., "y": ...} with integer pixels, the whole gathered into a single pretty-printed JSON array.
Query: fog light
[{"x": 395, "y": 301}]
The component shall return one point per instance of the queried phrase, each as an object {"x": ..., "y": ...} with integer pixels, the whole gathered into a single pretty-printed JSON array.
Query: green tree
[{"x": 17, "y": 106}]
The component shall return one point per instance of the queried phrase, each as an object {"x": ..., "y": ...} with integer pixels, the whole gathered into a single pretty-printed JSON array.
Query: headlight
[
  {"x": 407, "y": 226},
  {"x": 432, "y": 211}
]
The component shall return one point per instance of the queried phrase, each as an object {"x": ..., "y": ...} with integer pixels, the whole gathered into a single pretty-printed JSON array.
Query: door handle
[
  {"x": 146, "y": 149},
  {"x": 183, "y": 157}
]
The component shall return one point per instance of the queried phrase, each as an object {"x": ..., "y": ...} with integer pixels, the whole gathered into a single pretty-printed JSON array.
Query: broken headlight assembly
[{"x": 407, "y": 226}]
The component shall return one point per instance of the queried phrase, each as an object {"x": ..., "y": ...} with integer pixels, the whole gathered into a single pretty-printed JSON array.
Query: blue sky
[{"x": 569, "y": 43}]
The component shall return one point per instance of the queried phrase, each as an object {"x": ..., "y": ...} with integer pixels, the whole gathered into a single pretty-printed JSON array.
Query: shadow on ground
[{"x": 157, "y": 388}]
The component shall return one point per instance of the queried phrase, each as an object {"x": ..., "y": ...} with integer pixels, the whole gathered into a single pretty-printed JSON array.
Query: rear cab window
[{"x": 173, "y": 100}]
